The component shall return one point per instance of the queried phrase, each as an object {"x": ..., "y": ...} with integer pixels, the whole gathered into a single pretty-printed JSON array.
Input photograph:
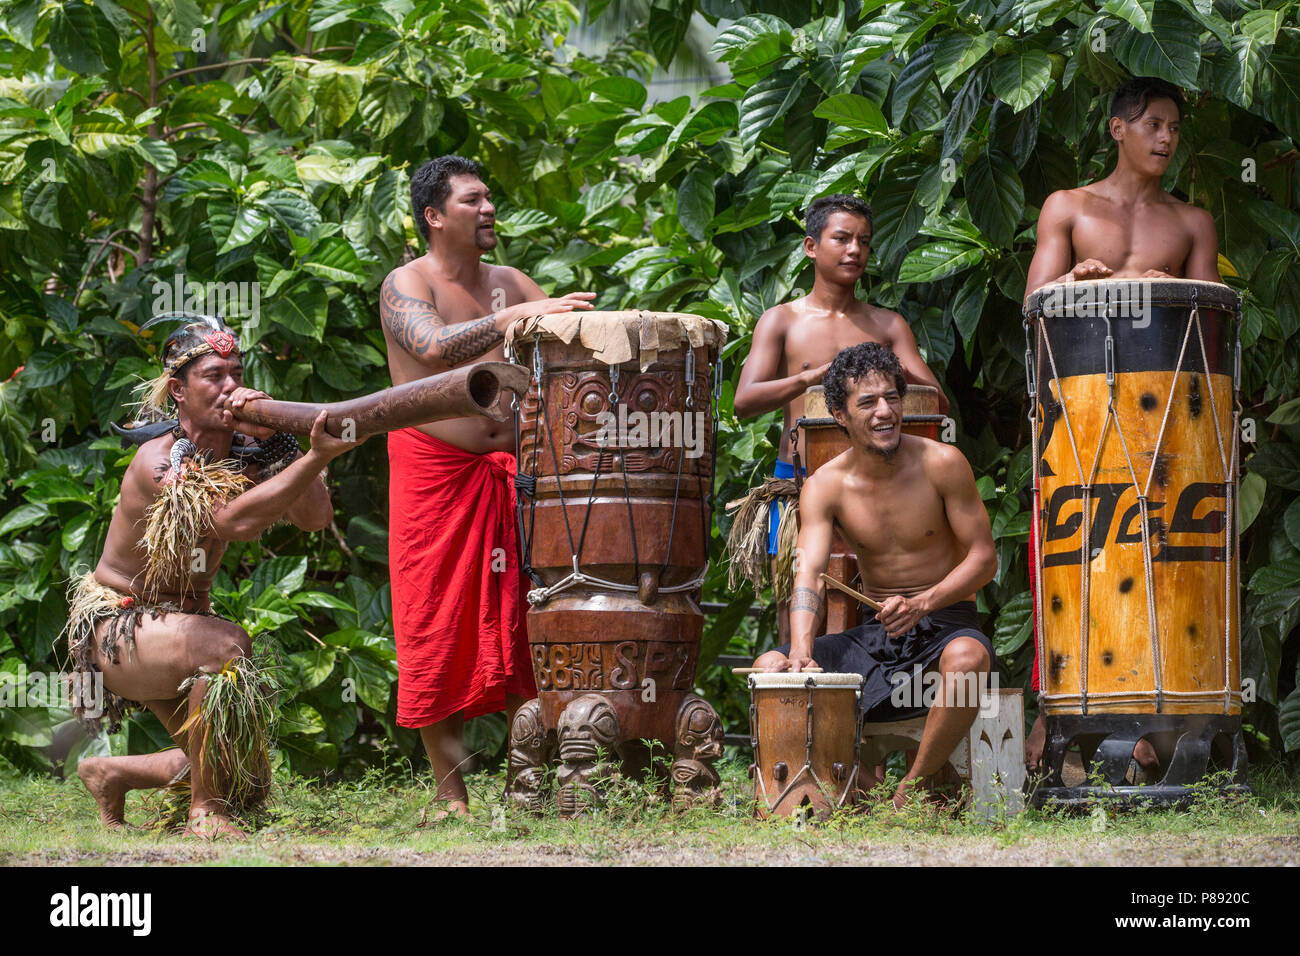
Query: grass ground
[{"x": 378, "y": 820}]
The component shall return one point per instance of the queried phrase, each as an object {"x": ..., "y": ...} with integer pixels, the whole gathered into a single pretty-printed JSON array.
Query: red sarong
[{"x": 459, "y": 595}]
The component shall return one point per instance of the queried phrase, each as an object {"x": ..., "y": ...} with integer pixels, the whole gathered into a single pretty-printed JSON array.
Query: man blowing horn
[{"x": 143, "y": 618}]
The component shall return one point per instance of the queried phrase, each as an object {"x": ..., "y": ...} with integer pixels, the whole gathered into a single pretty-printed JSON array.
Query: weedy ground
[{"x": 385, "y": 816}]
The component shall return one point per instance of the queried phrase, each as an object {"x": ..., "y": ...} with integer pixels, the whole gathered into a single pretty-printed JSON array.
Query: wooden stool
[{"x": 991, "y": 758}]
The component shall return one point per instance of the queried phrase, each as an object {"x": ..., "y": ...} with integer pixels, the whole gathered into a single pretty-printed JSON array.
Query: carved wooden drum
[
  {"x": 819, "y": 440},
  {"x": 615, "y": 454},
  {"x": 804, "y": 729},
  {"x": 1135, "y": 429}
]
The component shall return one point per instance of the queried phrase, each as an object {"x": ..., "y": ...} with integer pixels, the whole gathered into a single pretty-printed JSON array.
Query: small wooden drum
[
  {"x": 1135, "y": 429},
  {"x": 804, "y": 729}
]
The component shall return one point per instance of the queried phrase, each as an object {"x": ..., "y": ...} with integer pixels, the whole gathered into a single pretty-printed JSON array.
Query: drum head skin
[
  {"x": 1089, "y": 297},
  {"x": 614, "y": 338},
  {"x": 787, "y": 679}
]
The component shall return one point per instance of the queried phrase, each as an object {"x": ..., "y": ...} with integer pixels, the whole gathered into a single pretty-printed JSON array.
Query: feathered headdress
[{"x": 199, "y": 336}]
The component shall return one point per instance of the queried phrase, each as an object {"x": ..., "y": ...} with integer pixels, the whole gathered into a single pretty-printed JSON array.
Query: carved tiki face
[
  {"x": 699, "y": 731},
  {"x": 528, "y": 735},
  {"x": 588, "y": 725}
]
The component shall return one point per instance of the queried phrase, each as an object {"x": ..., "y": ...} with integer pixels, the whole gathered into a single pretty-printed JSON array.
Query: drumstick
[
  {"x": 874, "y": 605},
  {"x": 760, "y": 670}
]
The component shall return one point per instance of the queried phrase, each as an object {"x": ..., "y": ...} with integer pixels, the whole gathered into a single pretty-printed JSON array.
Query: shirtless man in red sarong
[
  {"x": 458, "y": 591},
  {"x": 1124, "y": 226}
]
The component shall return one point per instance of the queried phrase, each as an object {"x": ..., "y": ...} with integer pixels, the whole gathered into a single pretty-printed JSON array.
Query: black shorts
[{"x": 868, "y": 651}]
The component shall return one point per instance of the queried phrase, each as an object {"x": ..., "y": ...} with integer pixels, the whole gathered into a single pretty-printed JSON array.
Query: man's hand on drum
[
  {"x": 900, "y": 614},
  {"x": 798, "y": 662},
  {"x": 1087, "y": 269},
  {"x": 565, "y": 303}
]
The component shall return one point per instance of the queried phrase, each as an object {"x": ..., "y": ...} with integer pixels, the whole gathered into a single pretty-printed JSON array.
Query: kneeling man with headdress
[
  {"x": 143, "y": 618},
  {"x": 909, "y": 508}
]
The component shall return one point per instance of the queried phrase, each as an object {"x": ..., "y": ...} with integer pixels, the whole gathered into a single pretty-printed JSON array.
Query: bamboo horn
[{"x": 473, "y": 390}]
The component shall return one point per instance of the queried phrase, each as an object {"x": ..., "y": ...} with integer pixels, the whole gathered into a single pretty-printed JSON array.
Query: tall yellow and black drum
[{"x": 1133, "y": 387}]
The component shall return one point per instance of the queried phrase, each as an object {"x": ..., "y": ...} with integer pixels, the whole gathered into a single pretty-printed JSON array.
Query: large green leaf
[
  {"x": 82, "y": 39},
  {"x": 1288, "y": 720},
  {"x": 898, "y": 211},
  {"x": 695, "y": 202},
  {"x": 289, "y": 103},
  {"x": 1251, "y": 498},
  {"x": 336, "y": 90},
  {"x": 1278, "y": 463},
  {"x": 965, "y": 106},
  {"x": 995, "y": 196},
  {"x": 1021, "y": 78},
  {"x": 767, "y": 101},
  {"x": 853, "y": 111},
  {"x": 386, "y": 105},
  {"x": 1171, "y": 51},
  {"x": 937, "y": 260},
  {"x": 667, "y": 26},
  {"x": 1136, "y": 12},
  {"x": 336, "y": 260},
  {"x": 956, "y": 53},
  {"x": 1015, "y": 624}
]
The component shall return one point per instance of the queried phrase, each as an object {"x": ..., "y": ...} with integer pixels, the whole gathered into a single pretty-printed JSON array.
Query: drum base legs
[
  {"x": 1197, "y": 753},
  {"x": 592, "y": 754}
]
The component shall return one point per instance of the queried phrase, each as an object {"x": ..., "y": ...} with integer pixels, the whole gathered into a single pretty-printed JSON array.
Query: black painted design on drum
[
  {"x": 1149, "y": 402},
  {"x": 1125, "y": 586},
  {"x": 1108, "y": 658},
  {"x": 1183, "y": 523},
  {"x": 1051, "y": 411},
  {"x": 1057, "y": 666},
  {"x": 1056, "y": 604},
  {"x": 1130, "y": 527},
  {"x": 1194, "y": 400}
]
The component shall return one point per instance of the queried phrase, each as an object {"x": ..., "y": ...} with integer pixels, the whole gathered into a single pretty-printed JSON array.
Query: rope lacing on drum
[
  {"x": 542, "y": 593},
  {"x": 1085, "y": 551},
  {"x": 1035, "y": 521}
]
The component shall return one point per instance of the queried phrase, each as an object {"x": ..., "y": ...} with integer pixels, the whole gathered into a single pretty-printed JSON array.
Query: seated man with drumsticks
[
  {"x": 794, "y": 342},
  {"x": 909, "y": 509},
  {"x": 1124, "y": 226}
]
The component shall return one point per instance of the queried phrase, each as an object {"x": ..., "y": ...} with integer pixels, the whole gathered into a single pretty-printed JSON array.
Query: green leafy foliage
[{"x": 263, "y": 162}]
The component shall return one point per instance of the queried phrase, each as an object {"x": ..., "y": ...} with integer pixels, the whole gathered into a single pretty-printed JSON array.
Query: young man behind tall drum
[
  {"x": 1125, "y": 226},
  {"x": 909, "y": 508},
  {"x": 458, "y": 593},
  {"x": 794, "y": 343}
]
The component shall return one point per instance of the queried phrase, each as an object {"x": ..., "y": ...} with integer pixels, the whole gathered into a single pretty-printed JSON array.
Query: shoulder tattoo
[{"x": 412, "y": 322}]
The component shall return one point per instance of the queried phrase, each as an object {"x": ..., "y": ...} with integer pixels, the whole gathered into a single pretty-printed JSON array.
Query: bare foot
[
  {"x": 210, "y": 825},
  {"x": 1035, "y": 743},
  {"x": 458, "y": 809},
  {"x": 110, "y": 794}
]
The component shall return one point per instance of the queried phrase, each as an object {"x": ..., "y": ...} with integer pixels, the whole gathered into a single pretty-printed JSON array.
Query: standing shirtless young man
[
  {"x": 909, "y": 508},
  {"x": 1125, "y": 226},
  {"x": 458, "y": 591},
  {"x": 794, "y": 342}
]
